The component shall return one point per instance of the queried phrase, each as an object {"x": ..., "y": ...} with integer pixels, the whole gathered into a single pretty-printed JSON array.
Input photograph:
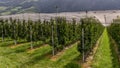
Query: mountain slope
[{"x": 48, "y": 6}]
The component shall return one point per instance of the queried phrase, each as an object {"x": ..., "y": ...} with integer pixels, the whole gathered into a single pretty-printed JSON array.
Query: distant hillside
[{"x": 48, "y": 6}]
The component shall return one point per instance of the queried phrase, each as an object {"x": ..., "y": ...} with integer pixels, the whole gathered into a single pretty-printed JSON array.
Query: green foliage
[
  {"x": 92, "y": 31},
  {"x": 65, "y": 32},
  {"x": 72, "y": 65},
  {"x": 40, "y": 32},
  {"x": 114, "y": 31}
]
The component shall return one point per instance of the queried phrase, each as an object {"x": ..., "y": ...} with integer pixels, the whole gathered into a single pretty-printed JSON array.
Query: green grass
[
  {"x": 7, "y": 63},
  {"x": 5, "y": 39},
  {"x": 26, "y": 46},
  {"x": 66, "y": 58},
  {"x": 10, "y": 43},
  {"x": 9, "y": 57},
  {"x": 6, "y": 43},
  {"x": 103, "y": 58},
  {"x": 18, "y": 57}
]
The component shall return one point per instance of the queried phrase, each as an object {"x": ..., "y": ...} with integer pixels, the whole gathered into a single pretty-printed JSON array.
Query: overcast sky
[
  {"x": 77, "y": 5},
  {"x": 69, "y": 5}
]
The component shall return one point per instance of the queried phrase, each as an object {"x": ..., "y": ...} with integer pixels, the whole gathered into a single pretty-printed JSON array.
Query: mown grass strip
[
  {"x": 7, "y": 63},
  {"x": 38, "y": 55},
  {"x": 40, "y": 60},
  {"x": 5, "y": 39},
  {"x": 25, "y": 47},
  {"x": 10, "y": 43},
  {"x": 103, "y": 57},
  {"x": 69, "y": 55}
]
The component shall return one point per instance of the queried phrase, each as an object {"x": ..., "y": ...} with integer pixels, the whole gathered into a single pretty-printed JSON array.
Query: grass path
[
  {"x": 103, "y": 57},
  {"x": 19, "y": 57},
  {"x": 67, "y": 56},
  {"x": 55, "y": 58}
]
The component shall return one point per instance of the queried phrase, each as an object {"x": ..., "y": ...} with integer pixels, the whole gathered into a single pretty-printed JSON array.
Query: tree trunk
[
  {"x": 2, "y": 33},
  {"x": 53, "y": 49},
  {"x": 31, "y": 36},
  {"x": 83, "y": 54},
  {"x": 15, "y": 41},
  {"x": 31, "y": 45}
]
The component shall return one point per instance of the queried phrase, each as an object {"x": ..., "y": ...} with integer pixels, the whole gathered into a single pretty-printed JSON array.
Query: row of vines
[
  {"x": 114, "y": 31},
  {"x": 57, "y": 32},
  {"x": 91, "y": 30}
]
